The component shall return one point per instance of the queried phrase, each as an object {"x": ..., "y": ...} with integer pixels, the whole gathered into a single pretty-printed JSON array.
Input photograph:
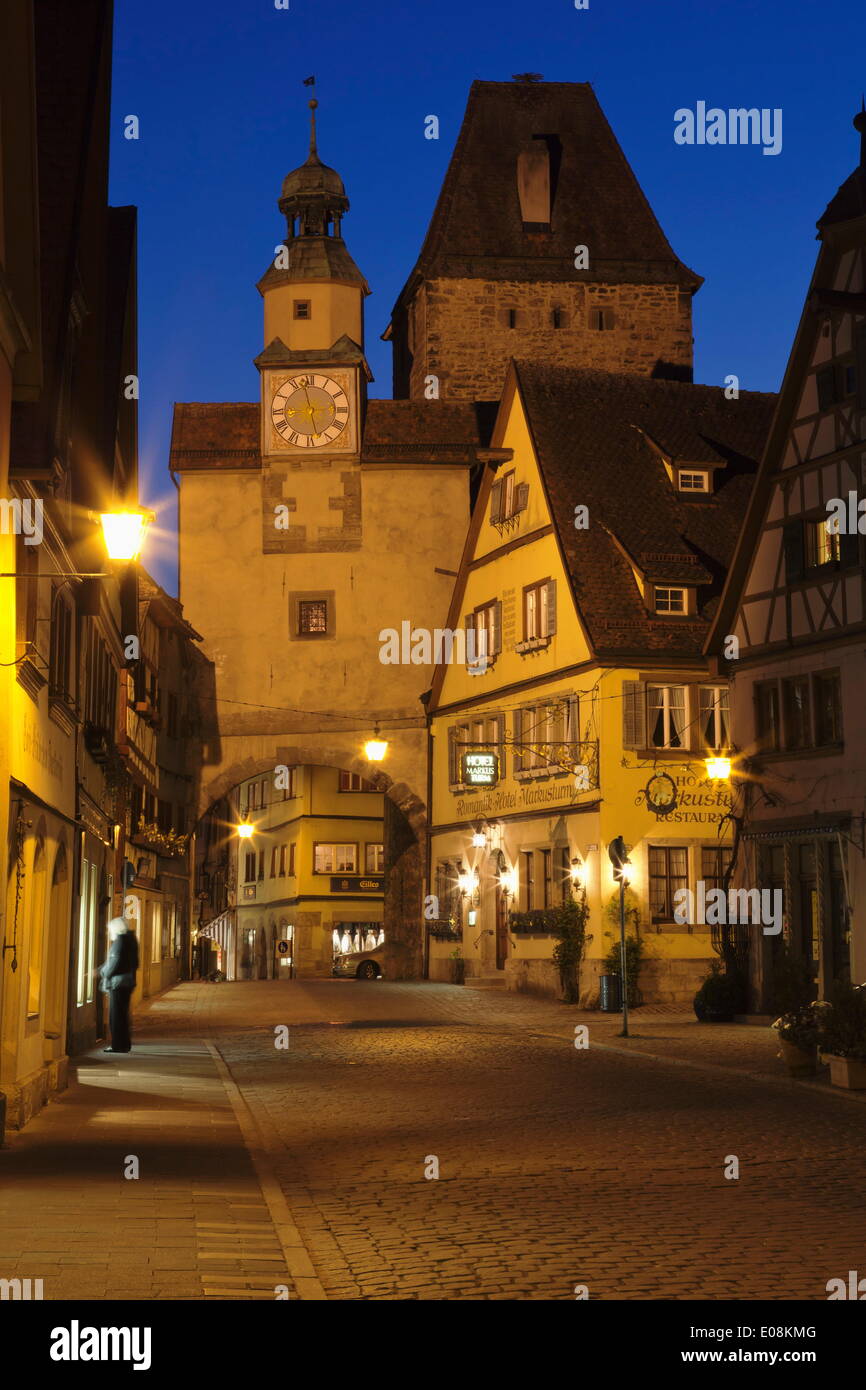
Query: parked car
[{"x": 361, "y": 965}]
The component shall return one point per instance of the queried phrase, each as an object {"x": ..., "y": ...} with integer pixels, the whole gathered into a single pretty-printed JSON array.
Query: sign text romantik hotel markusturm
[{"x": 699, "y": 800}]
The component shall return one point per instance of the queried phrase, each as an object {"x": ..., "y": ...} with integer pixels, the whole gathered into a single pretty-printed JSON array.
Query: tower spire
[
  {"x": 314, "y": 153},
  {"x": 860, "y": 125}
]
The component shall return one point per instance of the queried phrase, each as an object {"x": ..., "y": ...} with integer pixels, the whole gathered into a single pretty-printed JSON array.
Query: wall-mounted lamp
[
  {"x": 376, "y": 747},
  {"x": 718, "y": 769}
]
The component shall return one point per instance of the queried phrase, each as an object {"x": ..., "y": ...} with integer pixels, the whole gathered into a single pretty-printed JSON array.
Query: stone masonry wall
[{"x": 459, "y": 331}]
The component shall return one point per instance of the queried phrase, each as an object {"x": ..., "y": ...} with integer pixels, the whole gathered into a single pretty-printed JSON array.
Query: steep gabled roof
[
  {"x": 590, "y": 430},
  {"x": 477, "y": 228}
]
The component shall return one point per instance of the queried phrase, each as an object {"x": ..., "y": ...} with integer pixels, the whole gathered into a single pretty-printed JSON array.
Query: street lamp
[
  {"x": 245, "y": 830},
  {"x": 618, "y": 855},
  {"x": 376, "y": 747},
  {"x": 124, "y": 532}
]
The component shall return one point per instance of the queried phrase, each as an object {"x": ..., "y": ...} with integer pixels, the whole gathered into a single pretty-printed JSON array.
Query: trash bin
[{"x": 611, "y": 994}]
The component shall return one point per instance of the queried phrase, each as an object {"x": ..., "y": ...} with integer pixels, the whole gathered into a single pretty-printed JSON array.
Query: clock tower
[{"x": 313, "y": 370}]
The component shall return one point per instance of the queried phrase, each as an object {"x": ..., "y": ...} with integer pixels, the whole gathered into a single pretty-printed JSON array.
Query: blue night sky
[{"x": 217, "y": 86}]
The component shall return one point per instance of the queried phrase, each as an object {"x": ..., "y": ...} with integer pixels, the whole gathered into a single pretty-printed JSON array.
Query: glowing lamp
[
  {"x": 376, "y": 747},
  {"x": 245, "y": 831},
  {"x": 124, "y": 532},
  {"x": 718, "y": 769}
]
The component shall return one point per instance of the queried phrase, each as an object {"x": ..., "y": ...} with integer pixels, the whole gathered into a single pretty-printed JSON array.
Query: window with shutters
[
  {"x": 484, "y": 634},
  {"x": 668, "y": 873},
  {"x": 666, "y": 716},
  {"x": 539, "y": 613},
  {"x": 250, "y": 866},
  {"x": 508, "y": 499}
]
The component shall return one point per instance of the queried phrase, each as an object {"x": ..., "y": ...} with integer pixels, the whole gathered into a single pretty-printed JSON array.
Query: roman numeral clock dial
[{"x": 310, "y": 411}]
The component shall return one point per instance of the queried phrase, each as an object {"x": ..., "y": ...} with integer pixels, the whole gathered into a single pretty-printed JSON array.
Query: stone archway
[{"x": 245, "y": 756}]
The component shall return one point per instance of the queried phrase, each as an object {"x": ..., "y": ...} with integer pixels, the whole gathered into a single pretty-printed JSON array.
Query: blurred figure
[{"x": 118, "y": 981}]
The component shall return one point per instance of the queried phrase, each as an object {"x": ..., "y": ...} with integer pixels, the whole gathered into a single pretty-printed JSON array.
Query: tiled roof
[
  {"x": 590, "y": 430},
  {"x": 212, "y": 435},
  {"x": 443, "y": 430},
  {"x": 477, "y": 228},
  {"x": 227, "y": 435}
]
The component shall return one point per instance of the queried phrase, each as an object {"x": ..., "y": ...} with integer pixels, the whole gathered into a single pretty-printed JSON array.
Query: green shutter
[
  {"x": 634, "y": 714},
  {"x": 849, "y": 550},
  {"x": 496, "y": 503},
  {"x": 551, "y": 608}
]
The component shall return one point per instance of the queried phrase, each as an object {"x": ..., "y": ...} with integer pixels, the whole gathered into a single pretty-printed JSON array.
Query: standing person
[{"x": 118, "y": 982}]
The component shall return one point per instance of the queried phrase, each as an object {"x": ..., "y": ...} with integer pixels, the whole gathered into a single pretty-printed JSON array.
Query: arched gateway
[{"x": 248, "y": 757}]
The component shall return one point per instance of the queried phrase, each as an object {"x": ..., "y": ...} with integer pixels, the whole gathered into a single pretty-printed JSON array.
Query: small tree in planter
[
  {"x": 842, "y": 1035},
  {"x": 570, "y": 926},
  {"x": 458, "y": 967}
]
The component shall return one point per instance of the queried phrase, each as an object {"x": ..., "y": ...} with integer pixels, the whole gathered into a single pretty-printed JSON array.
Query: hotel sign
[
  {"x": 370, "y": 883},
  {"x": 480, "y": 769}
]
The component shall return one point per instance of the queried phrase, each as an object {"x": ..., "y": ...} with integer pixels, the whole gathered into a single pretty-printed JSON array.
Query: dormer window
[
  {"x": 669, "y": 600},
  {"x": 302, "y": 308},
  {"x": 690, "y": 480}
]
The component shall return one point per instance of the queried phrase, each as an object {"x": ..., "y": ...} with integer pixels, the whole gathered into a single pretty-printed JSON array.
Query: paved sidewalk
[{"x": 194, "y": 1224}]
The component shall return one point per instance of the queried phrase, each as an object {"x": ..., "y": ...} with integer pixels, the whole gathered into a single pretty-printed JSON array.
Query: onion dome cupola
[{"x": 313, "y": 290}]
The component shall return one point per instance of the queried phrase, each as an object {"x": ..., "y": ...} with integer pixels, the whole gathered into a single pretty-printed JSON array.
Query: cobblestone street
[{"x": 307, "y": 1166}]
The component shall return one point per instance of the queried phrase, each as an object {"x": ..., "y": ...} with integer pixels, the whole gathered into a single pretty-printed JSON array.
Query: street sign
[
  {"x": 480, "y": 769},
  {"x": 284, "y": 948}
]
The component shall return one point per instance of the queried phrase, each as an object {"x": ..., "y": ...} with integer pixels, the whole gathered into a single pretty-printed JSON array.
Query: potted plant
[
  {"x": 798, "y": 1032},
  {"x": 458, "y": 967},
  {"x": 842, "y": 1035},
  {"x": 719, "y": 997}
]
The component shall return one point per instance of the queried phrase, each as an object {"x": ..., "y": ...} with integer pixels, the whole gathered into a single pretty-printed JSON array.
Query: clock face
[{"x": 310, "y": 410}]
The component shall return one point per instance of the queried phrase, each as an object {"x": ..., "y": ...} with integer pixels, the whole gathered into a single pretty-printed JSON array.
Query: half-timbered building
[{"x": 790, "y": 627}]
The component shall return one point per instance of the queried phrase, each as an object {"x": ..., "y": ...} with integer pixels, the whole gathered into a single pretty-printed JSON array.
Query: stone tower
[{"x": 536, "y": 175}]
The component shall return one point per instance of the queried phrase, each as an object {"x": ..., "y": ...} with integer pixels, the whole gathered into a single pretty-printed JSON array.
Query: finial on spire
[{"x": 311, "y": 82}]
